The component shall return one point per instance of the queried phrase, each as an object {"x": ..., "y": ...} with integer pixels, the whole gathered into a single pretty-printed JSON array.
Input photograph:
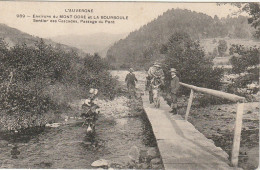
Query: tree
[
  {"x": 216, "y": 19},
  {"x": 186, "y": 55},
  {"x": 246, "y": 58},
  {"x": 253, "y": 10},
  {"x": 222, "y": 47}
]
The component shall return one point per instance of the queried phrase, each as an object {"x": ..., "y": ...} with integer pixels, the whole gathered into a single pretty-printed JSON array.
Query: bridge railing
[{"x": 239, "y": 114}]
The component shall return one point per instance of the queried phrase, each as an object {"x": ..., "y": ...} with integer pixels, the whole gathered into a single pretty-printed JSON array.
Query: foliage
[
  {"x": 206, "y": 100},
  {"x": 245, "y": 62},
  {"x": 28, "y": 73},
  {"x": 21, "y": 100},
  {"x": 246, "y": 86},
  {"x": 243, "y": 81},
  {"x": 243, "y": 58},
  {"x": 253, "y": 10},
  {"x": 140, "y": 48},
  {"x": 222, "y": 47},
  {"x": 186, "y": 55},
  {"x": 95, "y": 75}
]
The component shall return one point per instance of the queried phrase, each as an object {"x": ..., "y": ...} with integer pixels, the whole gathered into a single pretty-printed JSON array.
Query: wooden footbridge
[{"x": 182, "y": 146}]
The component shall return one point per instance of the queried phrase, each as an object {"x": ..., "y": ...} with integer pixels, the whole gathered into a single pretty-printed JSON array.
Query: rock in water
[
  {"x": 156, "y": 166},
  {"x": 156, "y": 161},
  {"x": 15, "y": 152},
  {"x": 144, "y": 166},
  {"x": 100, "y": 163},
  {"x": 54, "y": 125}
]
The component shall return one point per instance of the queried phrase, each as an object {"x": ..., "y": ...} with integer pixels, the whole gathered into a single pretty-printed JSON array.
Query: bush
[
  {"x": 19, "y": 100},
  {"x": 28, "y": 74},
  {"x": 124, "y": 66},
  {"x": 243, "y": 58},
  {"x": 186, "y": 55},
  {"x": 242, "y": 82},
  {"x": 94, "y": 74},
  {"x": 206, "y": 100}
]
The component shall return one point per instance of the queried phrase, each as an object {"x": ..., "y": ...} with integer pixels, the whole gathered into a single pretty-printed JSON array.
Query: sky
[{"x": 138, "y": 13}]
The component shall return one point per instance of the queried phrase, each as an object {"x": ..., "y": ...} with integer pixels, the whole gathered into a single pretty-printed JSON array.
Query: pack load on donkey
[{"x": 154, "y": 81}]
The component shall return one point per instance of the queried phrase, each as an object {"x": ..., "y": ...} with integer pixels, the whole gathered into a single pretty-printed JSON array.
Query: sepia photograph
[{"x": 129, "y": 85}]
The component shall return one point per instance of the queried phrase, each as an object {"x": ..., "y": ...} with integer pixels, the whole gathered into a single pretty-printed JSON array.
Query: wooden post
[
  {"x": 189, "y": 105},
  {"x": 237, "y": 134}
]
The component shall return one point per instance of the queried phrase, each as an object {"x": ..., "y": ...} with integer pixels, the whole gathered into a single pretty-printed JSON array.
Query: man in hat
[
  {"x": 155, "y": 71},
  {"x": 130, "y": 82},
  {"x": 173, "y": 90}
]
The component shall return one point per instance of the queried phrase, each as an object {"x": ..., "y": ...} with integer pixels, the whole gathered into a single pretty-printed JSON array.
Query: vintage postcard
[{"x": 129, "y": 85}]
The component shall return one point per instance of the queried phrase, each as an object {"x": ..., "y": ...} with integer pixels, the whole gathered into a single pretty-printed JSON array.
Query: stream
[{"x": 119, "y": 128}]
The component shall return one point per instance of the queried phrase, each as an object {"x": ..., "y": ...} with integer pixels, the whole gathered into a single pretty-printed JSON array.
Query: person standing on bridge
[
  {"x": 155, "y": 71},
  {"x": 173, "y": 89},
  {"x": 130, "y": 82}
]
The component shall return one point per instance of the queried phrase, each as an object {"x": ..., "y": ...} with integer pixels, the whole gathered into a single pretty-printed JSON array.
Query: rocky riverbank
[
  {"x": 18, "y": 123},
  {"x": 123, "y": 138},
  {"x": 131, "y": 140}
]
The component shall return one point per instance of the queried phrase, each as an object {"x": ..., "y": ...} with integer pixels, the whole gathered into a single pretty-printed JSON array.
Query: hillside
[
  {"x": 14, "y": 36},
  {"x": 94, "y": 43},
  {"x": 143, "y": 46}
]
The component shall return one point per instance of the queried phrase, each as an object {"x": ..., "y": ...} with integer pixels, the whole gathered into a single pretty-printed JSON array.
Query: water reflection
[
  {"x": 15, "y": 152},
  {"x": 69, "y": 146},
  {"x": 23, "y": 136}
]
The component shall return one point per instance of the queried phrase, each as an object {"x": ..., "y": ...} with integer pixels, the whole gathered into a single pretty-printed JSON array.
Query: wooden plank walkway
[{"x": 182, "y": 146}]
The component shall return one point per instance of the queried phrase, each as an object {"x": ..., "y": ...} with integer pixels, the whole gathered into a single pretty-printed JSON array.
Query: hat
[
  {"x": 93, "y": 91},
  {"x": 173, "y": 70},
  {"x": 131, "y": 69}
]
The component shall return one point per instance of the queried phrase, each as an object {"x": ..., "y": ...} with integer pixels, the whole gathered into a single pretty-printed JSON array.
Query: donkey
[
  {"x": 90, "y": 115},
  {"x": 156, "y": 83}
]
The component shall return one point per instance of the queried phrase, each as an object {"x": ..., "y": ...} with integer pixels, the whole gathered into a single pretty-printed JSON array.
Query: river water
[{"x": 120, "y": 127}]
